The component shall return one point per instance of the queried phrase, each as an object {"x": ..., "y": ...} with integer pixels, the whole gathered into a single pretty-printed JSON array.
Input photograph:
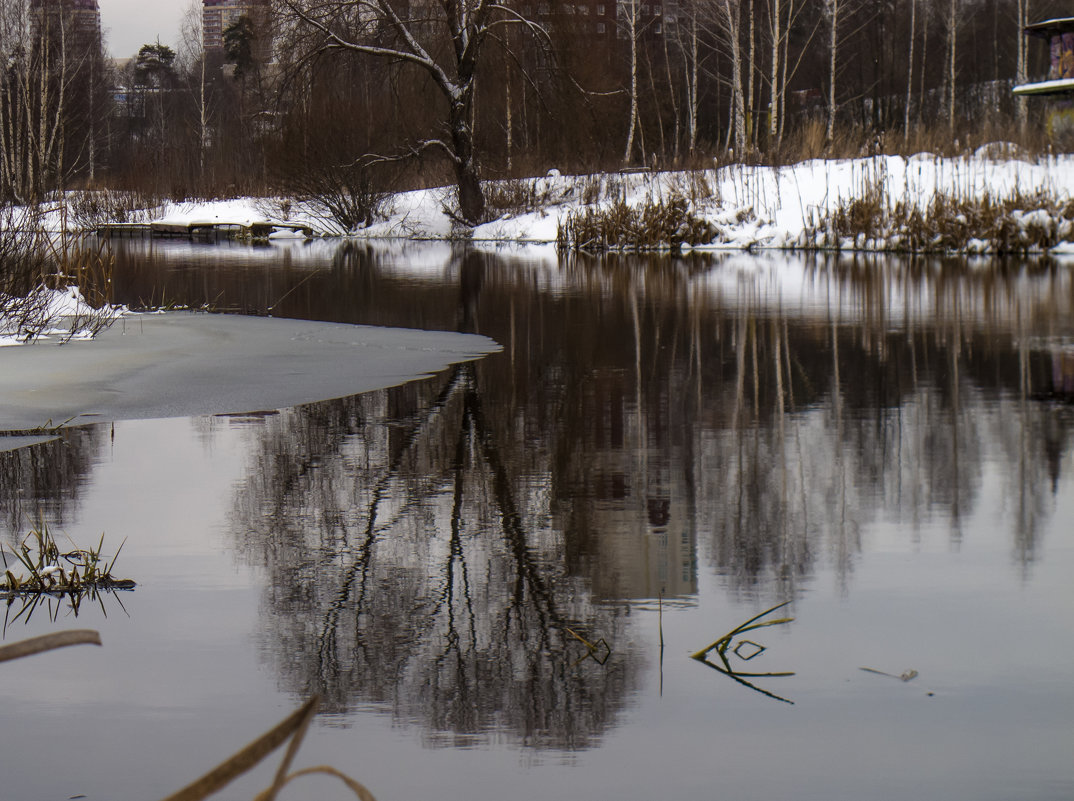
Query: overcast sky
[{"x": 129, "y": 24}]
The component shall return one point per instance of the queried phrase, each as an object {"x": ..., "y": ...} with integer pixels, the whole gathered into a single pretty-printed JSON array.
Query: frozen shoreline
[
  {"x": 184, "y": 364},
  {"x": 746, "y": 207}
]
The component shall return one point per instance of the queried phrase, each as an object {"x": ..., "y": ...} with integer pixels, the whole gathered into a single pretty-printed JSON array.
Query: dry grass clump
[
  {"x": 520, "y": 195},
  {"x": 1017, "y": 224},
  {"x": 35, "y": 261},
  {"x": 89, "y": 209},
  {"x": 39, "y": 566},
  {"x": 654, "y": 225}
]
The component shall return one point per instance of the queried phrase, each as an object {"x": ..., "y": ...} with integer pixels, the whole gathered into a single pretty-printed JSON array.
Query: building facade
[
  {"x": 82, "y": 19},
  {"x": 218, "y": 15}
]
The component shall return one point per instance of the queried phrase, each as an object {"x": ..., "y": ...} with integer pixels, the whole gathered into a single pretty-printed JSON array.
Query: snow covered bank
[
  {"x": 56, "y": 314},
  {"x": 743, "y": 207},
  {"x": 796, "y": 206},
  {"x": 777, "y": 207}
]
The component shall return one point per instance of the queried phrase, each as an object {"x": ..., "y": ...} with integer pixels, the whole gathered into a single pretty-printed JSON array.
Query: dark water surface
[{"x": 663, "y": 450}]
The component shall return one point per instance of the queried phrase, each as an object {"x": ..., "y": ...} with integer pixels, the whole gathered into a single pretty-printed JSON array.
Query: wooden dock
[{"x": 201, "y": 231}]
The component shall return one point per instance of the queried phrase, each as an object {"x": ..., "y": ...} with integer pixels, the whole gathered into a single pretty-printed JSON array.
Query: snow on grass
[
  {"x": 753, "y": 207},
  {"x": 746, "y": 207},
  {"x": 51, "y": 314}
]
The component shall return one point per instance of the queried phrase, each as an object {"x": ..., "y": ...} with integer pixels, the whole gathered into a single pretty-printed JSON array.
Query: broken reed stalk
[
  {"x": 749, "y": 625},
  {"x": 359, "y": 789},
  {"x": 48, "y": 642},
  {"x": 293, "y": 728},
  {"x": 223, "y": 774}
]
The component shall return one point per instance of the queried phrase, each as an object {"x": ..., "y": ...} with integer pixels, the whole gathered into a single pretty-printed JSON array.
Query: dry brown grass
[
  {"x": 654, "y": 225},
  {"x": 1020, "y": 223}
]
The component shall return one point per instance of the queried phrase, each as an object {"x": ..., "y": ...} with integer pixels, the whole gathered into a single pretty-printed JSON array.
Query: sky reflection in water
[{"x": 884, "y": 445}]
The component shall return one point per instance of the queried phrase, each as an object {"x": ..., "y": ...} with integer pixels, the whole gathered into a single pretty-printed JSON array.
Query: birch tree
[
  {"x": 1022, "y": 70},
  {"x": 910, "y": 74},
  {"x": 627, "y": 14},
  {"x": 951, "y": 71},
  {"x": 442, "y": 38},
  {"x": 832, "y": 9},
  {"x": 691, "y": 51},
  {"x": 775, "y": 14},
  {"x": 725, "y": 18},
  {"x": 192, "y": 55},
  {"x": 32, "y": 100}
]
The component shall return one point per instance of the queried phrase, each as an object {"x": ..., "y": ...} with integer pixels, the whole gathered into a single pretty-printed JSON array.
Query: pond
[{"x": 495, "y": 576}]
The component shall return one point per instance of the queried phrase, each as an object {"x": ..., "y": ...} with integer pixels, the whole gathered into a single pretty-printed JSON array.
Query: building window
[
  {"x": 542, "y": 9},
  {"x": 658, "y": 29},
  {"x": 600, "y": 27},
  {"x": 600, "y": 10},
  {"x": 583, "y": 10},
  {"x": 657, "y": 10}
]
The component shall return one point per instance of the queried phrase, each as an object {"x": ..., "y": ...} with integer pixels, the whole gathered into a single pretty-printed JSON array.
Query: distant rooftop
[
  {"x": 1061, "y": 86},
  {"x": 1050, "y": 27}
]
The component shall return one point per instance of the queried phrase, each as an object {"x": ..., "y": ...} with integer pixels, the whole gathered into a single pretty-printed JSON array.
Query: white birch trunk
[
  {"x": 952, "y": 40},
  {"x": 832, "y": 8},
  {"x": 631, "y": 11},
  {"x": 1020, "y": 109},
  {"x": 773, "y": 107},
  {"x": 909, "y": 74}
]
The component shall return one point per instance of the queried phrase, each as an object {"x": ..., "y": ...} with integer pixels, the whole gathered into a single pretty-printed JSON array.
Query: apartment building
[{"x": 218, "y": 15}]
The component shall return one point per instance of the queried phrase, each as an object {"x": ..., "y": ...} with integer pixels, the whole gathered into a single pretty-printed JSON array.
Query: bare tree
[
  {"x": 691, "y": 56},
  {"x": 725, "y": 18},
  {"x": 909, "y": 73},
  {"x": 443, "y": 38},
  {"x": 32, "y": 99},
  {"x": 776, "y": 35},
  {"x": 832, "y": 9},
  {"x": 950, "y": 75},
  {"x": 193, "y": 60},
  {"x": 1022, "y": 72},
  {"x": 627, "y": 12}
]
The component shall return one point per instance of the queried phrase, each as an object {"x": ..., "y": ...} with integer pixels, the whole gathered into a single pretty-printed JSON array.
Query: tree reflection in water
[
  {"x": 428, "y": 547},
  {"x": 405, "y": 571},
  {"x": 42, "y": 481}
]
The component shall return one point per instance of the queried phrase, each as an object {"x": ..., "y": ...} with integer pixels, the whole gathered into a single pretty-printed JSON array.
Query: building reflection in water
[{"x": 429, "y": 548}]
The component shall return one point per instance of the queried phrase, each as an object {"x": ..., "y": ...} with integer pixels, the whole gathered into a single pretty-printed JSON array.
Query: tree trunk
[
  {"x": 952, "y": 39},
  {"x": 833, "y": 45},
  {"x": 1022, "y": 76},
  {"x": 732, "y": 27},
  {"x": 692, "y": 90},
  {"x": 909, "y": 75},
  {"x": 751, "y": 101},
  {"x": 773, "y": 108},
  {"x": 471, "y": 196},
  {"x": 632, "y": 34}
]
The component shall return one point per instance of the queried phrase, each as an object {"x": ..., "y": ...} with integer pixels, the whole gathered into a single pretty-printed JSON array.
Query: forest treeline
[{"x": 346, "y": 101}]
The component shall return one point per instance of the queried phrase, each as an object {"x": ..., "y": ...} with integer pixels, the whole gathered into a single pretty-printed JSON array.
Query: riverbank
[{"x": 993, "y": 201}]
